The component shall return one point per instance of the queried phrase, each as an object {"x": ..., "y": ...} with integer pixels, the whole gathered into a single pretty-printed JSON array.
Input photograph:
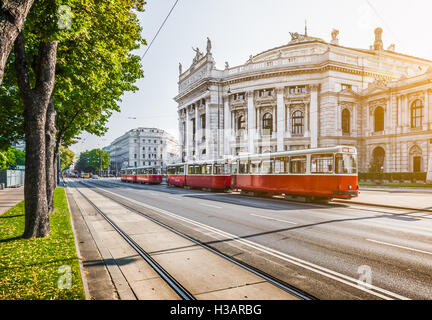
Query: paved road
[{"x": 332, "y": 251}]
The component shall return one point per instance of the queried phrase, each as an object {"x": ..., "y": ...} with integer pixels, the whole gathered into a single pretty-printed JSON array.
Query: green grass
[
  {"x": 29, "y": 268},
  {"x": 395, "y": 184}
]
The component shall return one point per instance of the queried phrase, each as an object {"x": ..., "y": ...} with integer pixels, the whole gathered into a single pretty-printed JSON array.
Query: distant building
[
  {"x": 311, "y": 93},
  {"x": 20, "y": 145},
  {"x": 143, "y": 147}
]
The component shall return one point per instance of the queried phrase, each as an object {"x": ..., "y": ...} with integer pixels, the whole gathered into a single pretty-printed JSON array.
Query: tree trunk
[
  {"x": 12, "y": 16},
  {"x": 51, "y": 165},
  {"x": 36, "y": 103}
]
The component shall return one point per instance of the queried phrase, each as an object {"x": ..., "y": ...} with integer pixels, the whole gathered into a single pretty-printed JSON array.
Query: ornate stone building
[{"x": 310, "y": 93}]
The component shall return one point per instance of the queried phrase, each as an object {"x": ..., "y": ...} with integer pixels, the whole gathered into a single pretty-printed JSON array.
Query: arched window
[
  {"x": 241, "y": 123},
  {"x": 378, "y": 156},
  {"x": 379, "y": 119},
  {"x": 267, "y": 124},
  {"x": 417, "y": 114},
  {"x": 346, "y": 121},
  {"x": 297, "y": 123}
]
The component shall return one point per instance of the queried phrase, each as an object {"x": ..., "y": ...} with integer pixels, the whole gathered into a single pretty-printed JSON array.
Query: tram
[
  {"x": 128, "y": 175},
  {"x": 321, "y": 173},
  {"x": 150, "y": 175},
  {"x": 214, "y": 175}
]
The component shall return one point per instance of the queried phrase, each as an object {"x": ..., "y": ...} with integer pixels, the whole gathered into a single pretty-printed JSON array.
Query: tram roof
[{"x": 297, "y": 152}]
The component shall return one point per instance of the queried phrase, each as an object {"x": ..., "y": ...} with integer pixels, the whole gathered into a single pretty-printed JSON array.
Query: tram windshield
[{"x": 346, "y": 163}]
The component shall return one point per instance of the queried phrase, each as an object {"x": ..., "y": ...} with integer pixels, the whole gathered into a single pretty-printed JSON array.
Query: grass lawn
[
  {"x": 395, "y": 184},
  {"x": 29, "y": 268}
]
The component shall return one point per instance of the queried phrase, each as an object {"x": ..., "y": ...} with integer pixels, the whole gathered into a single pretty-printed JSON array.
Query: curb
[
  {"x": 83, "y": 277},
  {"x": 381, "y": 205}
]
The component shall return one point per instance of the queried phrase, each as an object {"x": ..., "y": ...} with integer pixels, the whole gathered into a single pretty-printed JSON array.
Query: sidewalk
[
  {"x": 393, "y": 198},
  {"x": 10, "y": 197}
]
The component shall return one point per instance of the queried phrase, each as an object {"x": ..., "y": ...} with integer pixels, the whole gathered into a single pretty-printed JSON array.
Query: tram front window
[{"x": 346, "y": 163}]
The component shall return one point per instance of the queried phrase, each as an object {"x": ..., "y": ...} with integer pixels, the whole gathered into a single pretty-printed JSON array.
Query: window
[
  {"x": 171, "y": 170},
  {"x": 234, "y": 168},
  {"x": 239, "y": 96},
  {"x": 241, "y": 123},
  {"x": 180, "y": 170},
  {"x": 346, "y": 163},
  {"x": 298, "y": 164},
  {"x": 297, "y": 123},
  {"x": 345, "y": 86},
  {"x": 281, "y": 165},
  {"x": 267, "y": 124},
  {"x": 267, "y": 167},
  {"x": 255, "y": 166},
  {"x": 379, "y": 119},
  {"x": 417, "y": 114},
  {"x": 322, "y": 163},
  {"x": 265, "y": 93},
  {"x": 346, "y": 117},
  {"x": 135, "y": 156},
  {"x": 243, "y": 166},
  {"x": 218, "y": 169},
  {"x": 203, "y": 121},
  {"x": 297, "y": 89}
]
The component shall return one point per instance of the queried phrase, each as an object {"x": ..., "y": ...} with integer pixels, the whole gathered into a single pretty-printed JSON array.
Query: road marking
[
  {"x": 270, "y": 218},
  {"x": 353, "y": 282},
  {"x": 398, "y": 246},
  {"x": 211, "y": 206},
  {"x": 174, "y": 198}
]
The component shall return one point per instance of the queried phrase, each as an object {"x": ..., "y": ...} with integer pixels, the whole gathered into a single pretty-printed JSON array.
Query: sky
[{"x": 240, "y": 28}]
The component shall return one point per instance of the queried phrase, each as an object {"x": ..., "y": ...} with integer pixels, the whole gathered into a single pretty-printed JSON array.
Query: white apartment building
[{"x": 143, "y": 147}]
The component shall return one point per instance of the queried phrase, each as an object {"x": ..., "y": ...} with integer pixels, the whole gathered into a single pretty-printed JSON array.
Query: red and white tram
[
  {"x": 313, "y": 173},
  {"x": 128, "y": 175},
  {"x": 214, "y": 175},
  {"x": 321, "y": 173},
  {"x": 150, "y": 175}
]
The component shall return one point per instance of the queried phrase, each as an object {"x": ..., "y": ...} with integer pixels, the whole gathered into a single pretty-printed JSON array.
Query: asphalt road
[{"x": 333, "y": 251}]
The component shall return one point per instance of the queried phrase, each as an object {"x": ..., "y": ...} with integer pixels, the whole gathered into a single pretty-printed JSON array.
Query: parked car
[
  {"x": 95, "y": 176},
  {"x": 86, "y": 175}
]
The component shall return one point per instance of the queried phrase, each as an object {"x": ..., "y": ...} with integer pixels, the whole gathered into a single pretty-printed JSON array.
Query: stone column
[
  {"x": 354, "y": 120},
  {"x": 338, "y": 119},
  {"x": 197, "y": 130},
  {"x": 307, "y": 122},
  {"x": 188, "y": 133},
  {"x": 251, "y": 122},
  {"x": 280, "y": 119},
  {"x": 426, "y": 113},
  {"x": 274, "y": 121},
  {"x": 288, "y": 120},
  {"x": 207, "y": 128},
  {"x": 429, "y": 162},
  {"x": 399, "y": 113},
  {"x": 313, "y": 110},
  {"x": 388, "y": 116},
  {"x": 227, "y": 126},
  {"x": 406, "y": 114}
]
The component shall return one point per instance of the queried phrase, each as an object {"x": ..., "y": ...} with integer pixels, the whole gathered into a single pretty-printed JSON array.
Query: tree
[
  {"x": 93, "y": 161},
  {"x": 66, "y": 158},
  {"x": 92, "y": 68},
  {"x": 12, "y": 16}
]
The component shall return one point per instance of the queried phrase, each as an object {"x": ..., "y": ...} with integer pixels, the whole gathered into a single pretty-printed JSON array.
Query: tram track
[
  {"x": 178, "y": 288},
  {"x": 207, "y": 231},
  {"x": 331, "y": 204}
]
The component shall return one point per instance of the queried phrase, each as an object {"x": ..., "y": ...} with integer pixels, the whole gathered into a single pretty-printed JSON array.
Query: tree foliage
[
  {"x": 93, "y": 160},
  {"x": 95, "y": 65},
  {"x": 66, "y": 158}
]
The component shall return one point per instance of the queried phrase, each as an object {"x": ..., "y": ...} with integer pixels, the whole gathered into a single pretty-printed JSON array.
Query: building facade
[
  {"x": 143, "y": 147},
  {"x": 310, "y": 93}
]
